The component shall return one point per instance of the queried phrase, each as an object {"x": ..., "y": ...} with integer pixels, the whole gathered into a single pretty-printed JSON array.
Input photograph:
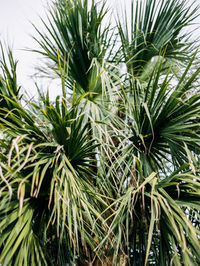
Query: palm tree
[{"x": 108, "y": 172}]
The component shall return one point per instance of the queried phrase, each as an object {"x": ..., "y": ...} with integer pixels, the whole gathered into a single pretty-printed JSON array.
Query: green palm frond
[
  {"x": 75, "y": 31},
  {"x": 18, "y": 238},
  {"x": 49, "y": 169},
  {"x": 164, "y": 120},
  {"x": 152, "y": 223},
  {"x": 80, "y": 48},
  {"x": 8, "y": 78},
  {"x": 154, "y": 26}
]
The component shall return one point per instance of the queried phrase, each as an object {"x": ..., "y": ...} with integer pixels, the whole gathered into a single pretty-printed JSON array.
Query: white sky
[{"x": 15, "y": 30}]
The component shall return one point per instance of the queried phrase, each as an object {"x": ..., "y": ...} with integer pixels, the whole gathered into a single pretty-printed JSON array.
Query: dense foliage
[{"x": 108, "y": 172}]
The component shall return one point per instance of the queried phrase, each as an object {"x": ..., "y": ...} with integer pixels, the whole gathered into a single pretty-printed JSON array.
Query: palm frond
[
  {"x": 155, "y": 25},
  {"x": 8, "y": 78},
  {"x": 151, "y": 222},
  {"x": 75, "y": 30},
  {"x": 49, "y": 170},
  {"x": 164, "y": 119}
]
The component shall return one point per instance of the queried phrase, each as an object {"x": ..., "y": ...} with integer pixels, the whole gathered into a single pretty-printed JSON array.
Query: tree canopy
[{"x": 108, "y": 172}]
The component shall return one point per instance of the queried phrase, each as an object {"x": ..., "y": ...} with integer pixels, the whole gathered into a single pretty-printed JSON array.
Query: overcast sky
[{"x": 15, "y": 29}]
